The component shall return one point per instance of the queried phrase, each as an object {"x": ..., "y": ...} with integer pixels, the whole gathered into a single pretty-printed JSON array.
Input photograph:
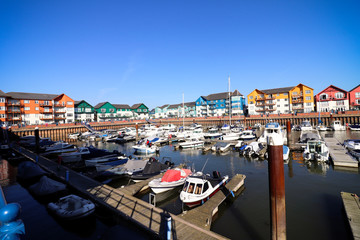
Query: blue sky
[{"x": 153, "y": 51}]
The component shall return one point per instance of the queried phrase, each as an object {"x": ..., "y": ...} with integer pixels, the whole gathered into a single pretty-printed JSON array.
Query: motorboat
[
  {"x": 152, "y": 168},
  {"x": 192, "y": 143},
  {"x": 247, "y": 135},
  {"x": 171, "y": 179},
  {"x": 286, "y": 152},
  {"x": 200, "y": 187},
  {"x": 71, "y": 207},
  {"x": 59, "y": 146},
  {"x": 29, "y": 171},
  {"x": 74, "y": 136},
  {"x": 106, "y": 159},
  {"x": 76, "y": 156},
  {"x": 225, "y": 128},
  {"x": 321, "y": 127},
  {"x": 306, "y": 136},
  {"x": 354, "y": 127},
  {"x": 352, "y": 144},
  {"x": 316, "y": 150},
  {"x": 132, "y": 166},
  {"x": 337, "y": 126},
  {"x": 239, "y": 144},
  {"x": 230, "y": 136},
  {"x": 271, "y": 129},
  {"x": 221, "y": 147},
  {"x": 254, "y": 149},
  {"x": 213, "y": 134},
  {"x": 143, "y": 148},
  {"x": 306, "y": 126}
]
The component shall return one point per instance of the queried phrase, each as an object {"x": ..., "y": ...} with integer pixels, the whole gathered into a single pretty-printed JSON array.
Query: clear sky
[{"x": 153, "y": 51}]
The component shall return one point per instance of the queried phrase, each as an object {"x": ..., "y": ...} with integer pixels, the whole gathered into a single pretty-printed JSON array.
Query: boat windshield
[
  {"x": 191, "y": 188},
  {"x": 198, "y": 188},
  {"x": 185, "y": 186}
]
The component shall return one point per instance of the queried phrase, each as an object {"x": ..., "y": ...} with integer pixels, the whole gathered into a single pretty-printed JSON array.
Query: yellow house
[{"x": 281, "y": 100}]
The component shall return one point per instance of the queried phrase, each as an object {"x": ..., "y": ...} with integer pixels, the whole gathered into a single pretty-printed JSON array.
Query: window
[
  {"x": 285, "y": 94},
  {"x": 2, "y": 115},
  {"x": 278, "y": 100},
  {"x": 278, "y": 94},
  {"x": 36, "y": 101},
  {"x": 295, "y": 93},
  {"x": 2, "y": 108},
  {"x": 286, "y": 99},
  {"x": 206, "y": 187},
  {"x": 339, "y": 103},
  {"x": 308, "y": 98},
  {"x": 87, "y": 109},
  {"x": 278, "y": 105},
  {"x": 3, "y": 99},
  {"x": 198, "y": 188},
  {"x": 323, "y": 96},
  {"x": 37, "y": 108},
  {"x": 69, "y": 103},
  {"x": 309, "y": 104},
  {"x": 307, "y": 92},
  {"x": 286, "y": 105},
  {"x": 69, "y": 114},
  {"x": 26, "y": 101},
  {"x": 191, "y": 188},
  {"x": 357, "y": 95},
  {"x": 339, "y": 95},
  {"x": 251, "y": 97},
  {"x": 27, "y": 108},
  {"x": 103, "y": 110},
  {"x": 357, "y": 101}
]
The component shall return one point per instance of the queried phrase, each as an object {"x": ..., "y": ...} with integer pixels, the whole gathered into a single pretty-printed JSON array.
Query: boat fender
[
  {"x": 232, "y": 193},
  {"x": 202, "y": 201}
]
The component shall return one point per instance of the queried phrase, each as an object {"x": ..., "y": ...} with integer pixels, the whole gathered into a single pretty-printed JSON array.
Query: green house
[
  {"x": 140, "y": 111},
  {"x": 105, "y": 111},
  {"x": 84, "y": 111}
]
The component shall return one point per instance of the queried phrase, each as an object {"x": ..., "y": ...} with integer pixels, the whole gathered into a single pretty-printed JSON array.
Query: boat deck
[
  {"x": 202, "y": 216},
  {"x": 339, "y": 154},
  {"x": 352, "y": 209}
]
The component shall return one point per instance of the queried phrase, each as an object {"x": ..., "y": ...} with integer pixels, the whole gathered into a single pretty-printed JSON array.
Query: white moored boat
[
  {"x": 192, "y": 143},
  {"x": 171, "y": 179},
  {"x": 337, "y": 126},
  {"x": 247, "y": 135},
  {"x": 316, "y": 150},
  {"x": 198, "y": 188},
  {"x": 72, "y": 207}
]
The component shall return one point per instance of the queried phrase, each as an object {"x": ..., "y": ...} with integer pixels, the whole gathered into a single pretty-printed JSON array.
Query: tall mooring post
[
  {"x": 277, "y": 187},
  {"x": 288, "y": 132},
  {"x": 37, "y": 140}
]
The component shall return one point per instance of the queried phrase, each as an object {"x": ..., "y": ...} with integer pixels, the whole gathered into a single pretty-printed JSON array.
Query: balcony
[
  {"x": 270, "y": 104},
  {"x": 46, "y": 118},
  {"x": 45, "y": 104},
  {"x": 298, "y": 101},
  {"x": 270, "y": 110},
  {"x": 49, "y": 111},
  {"x": 60, "y": 118},
  {"x": 259, "y": 104},
  {"x": 59, "y": 111},
  {"x": 270, "y": 98},
  {"x": 297, "y": 95},
  {"x": 14, "y": 104},
  {"x": 259, "y": 99},
  {"x": 9, "y": 110},
  {"x": 259, "y": 110},
  {"x": 14, "y": 118},
  {"x": 297, "y": 107}
]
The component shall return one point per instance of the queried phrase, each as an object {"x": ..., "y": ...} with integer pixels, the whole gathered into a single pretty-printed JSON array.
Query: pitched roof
[
  {"x": 121, "y": 106},
  {"x": 222, "y": 95},
  {"x": 332, "y": 86},
  {"x": 175, "y": 105},
  {"x": 354, "y": 88},
  {"x": 164, "y": 106},
  {"x": 190, "y": 104},
  {"x": 137, "y": 105},
  {"x": 99, "y": 104},
  {"x": 32, "y": 96},
  {"x": 236, "y": 93},
  {"x": 2, "y": 94},
  {"x": 277, "y": 90}
]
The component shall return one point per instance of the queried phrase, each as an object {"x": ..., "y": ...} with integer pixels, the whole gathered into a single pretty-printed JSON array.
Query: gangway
[{"x": 87, "y": 125}]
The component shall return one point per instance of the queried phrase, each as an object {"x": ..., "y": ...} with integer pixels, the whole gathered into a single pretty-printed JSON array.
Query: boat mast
[
  {"x": 183, "y": 110},
  {"x": 229, "y": 105}
]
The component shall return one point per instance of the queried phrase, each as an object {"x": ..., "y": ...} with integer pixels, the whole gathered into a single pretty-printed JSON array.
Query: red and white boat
[
  {"x": 199, "y": 188},
  {"x": 171, "y": 179}
]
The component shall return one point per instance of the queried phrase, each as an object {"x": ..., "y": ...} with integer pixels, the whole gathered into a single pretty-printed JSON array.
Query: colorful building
[
  {"x": 218, "y": 104},
  {"x": 354, "y": 95},
  {"x": 123, "y": 111},
  {"x": 140, "y": 111},
  {"x": 38, "y": 108},
  {"x": 332, "y": 98},
  {"x": 84, "y": 112},
  {"x": 297, "y": 99},
  {"x": 105, "y": 111}
]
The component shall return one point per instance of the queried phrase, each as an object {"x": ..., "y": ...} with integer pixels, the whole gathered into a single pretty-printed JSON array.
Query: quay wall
[{"x": 61, "y": 131}]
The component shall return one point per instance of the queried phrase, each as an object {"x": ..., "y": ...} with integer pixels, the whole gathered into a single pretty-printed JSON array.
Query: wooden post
[
  {"x": 288, "y": 132},
  {"x": 277, "y": 188},
  {"x": 37, "y": 140}
]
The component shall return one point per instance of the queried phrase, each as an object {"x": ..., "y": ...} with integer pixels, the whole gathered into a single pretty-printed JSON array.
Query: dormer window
[{"x": 339, "y": 95}]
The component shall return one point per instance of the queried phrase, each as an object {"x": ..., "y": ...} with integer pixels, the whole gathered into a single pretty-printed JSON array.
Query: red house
[
  {"x": 332, "y": 99},
  {"x": 355, "y": 98}
]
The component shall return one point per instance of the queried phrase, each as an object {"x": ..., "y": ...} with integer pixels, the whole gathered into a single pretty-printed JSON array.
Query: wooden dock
[
  {"x": 121, "y": 202},
  {"x": 202, "y": 216},
  {"x": 352, "y": 209},
  {"x": 339, "y": 154}
]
